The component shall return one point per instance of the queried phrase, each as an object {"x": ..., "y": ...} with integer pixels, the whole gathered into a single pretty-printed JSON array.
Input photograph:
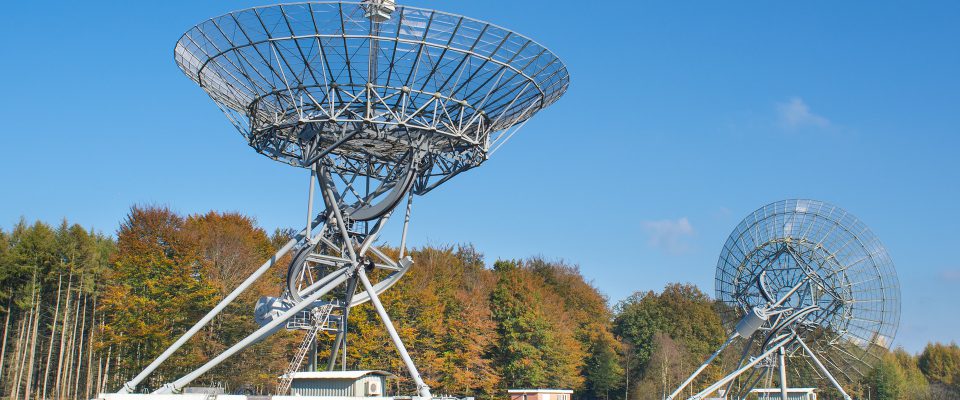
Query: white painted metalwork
[
  {"x": 379, "y": 102},
  {"x": 302, "y": 81}
]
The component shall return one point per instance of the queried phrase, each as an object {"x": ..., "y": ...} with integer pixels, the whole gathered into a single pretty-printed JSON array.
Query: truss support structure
[
  {"x": 733, "y": 375},
  {"x": 347, "y": 252},
  {"x": 264, "y": 331},
  {"x": 131, "y": 385},
  {"x": 778, "y": 334}
]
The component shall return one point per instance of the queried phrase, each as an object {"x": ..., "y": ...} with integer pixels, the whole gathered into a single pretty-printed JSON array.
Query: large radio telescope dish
[
  {"x": 300, "y": 81},
  {"x": 379, "y": 102},
  {"x": 804, "y": 281}
]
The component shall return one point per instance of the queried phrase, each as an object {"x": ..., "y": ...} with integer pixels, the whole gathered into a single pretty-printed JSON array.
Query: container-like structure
[
  {"x": 805, "y": 284},
  {"x": 339, "y": 383},
  {"x": 380, "y": 102}
]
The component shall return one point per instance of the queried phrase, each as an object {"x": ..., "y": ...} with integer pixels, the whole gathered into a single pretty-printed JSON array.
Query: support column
[
  {"x": 783, "y": 373},
  {"x": 422, "y": 389},
  {"x": 312, "y": 364},
  {"x": 733, "y": 375},
  {"x": 340, "y": 342}
]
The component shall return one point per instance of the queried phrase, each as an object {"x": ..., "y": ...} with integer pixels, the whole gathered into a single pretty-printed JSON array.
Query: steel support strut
[
  {"x": 702, "y": 367},
  {"x": 422, "y": 389},
  {"x": 782, "y": 358},
  {"x": 264, "y": 331},
  {"x": 733, "y": 375},
  {"x": 338, "y": 277},
  {"x": 733, "y": 337},
  {"x": 816, "y": 360},
  {"x": 353, "y": 272},
  {"x": 341, "y": 339},
  {"x": 131, "y": 385}
]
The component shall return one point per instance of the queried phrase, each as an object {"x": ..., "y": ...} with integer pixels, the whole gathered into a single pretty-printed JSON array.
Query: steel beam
[
  {"x": 733, "y": 375},
  {"x": 264, "y": 331},
  {"x": 702, "y": 367},
  {"x": 131, "y": 385},
  {"x": 422, "y": 389},
  {"x": 816, "y": 360}
]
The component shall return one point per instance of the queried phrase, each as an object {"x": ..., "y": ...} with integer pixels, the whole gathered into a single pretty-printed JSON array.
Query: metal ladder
[{"x": 321, "y": 317}]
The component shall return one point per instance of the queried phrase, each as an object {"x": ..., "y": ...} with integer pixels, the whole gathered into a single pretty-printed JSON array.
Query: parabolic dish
[
  {"x": 300, "y": 79},
  {"x": 849, "y": 277}
]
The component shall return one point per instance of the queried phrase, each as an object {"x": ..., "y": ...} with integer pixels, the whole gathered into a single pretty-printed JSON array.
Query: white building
[
  {"x": 339, "y": 383},
  {"x": 540, "y": 394},
  {"x": 792, "y": 393}
]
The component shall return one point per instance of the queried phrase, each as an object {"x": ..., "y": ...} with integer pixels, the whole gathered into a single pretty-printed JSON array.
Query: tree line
[{"x": 83, "y": 312}]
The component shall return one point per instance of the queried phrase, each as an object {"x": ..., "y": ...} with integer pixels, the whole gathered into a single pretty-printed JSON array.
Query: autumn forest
[{"x": 84, "y": 311}]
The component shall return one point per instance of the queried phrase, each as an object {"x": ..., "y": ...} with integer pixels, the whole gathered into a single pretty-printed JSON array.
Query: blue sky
[{"x": 682, "y": 117}]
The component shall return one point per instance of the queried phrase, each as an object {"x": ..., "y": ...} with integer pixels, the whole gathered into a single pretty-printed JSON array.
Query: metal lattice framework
[
  {"x": 805, "y": 281},
  {"x": 300, "y": 81},
  {"x": 379, "y": 102}
]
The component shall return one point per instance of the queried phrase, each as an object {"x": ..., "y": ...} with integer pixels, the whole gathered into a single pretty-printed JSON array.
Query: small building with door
[
  {"x": 776, "y": 394},
  {"x": 339, "y": 383},
  {"x": 540, "y": 394}
]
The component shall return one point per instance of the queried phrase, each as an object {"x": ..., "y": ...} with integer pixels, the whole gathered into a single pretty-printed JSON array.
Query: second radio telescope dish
[
  {"x": 851, "y": 278},
  {"x": 810, "y": 290}
]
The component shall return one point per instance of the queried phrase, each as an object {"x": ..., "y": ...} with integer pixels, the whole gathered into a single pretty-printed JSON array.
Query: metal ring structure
[
  {"x": 849, "y": 291},
  {"x": 299, "y": 268},
  {"x": 378, "y": 200},
  {"x": 308, "y": 80}
]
